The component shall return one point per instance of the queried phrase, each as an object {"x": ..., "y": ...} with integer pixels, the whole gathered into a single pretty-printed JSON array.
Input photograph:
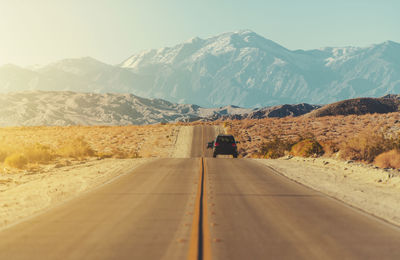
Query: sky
[{"x": 44, "y": 31}]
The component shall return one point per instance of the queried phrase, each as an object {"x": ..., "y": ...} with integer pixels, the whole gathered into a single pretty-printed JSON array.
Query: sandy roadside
[
  {"x": 23, "y": 194},
  {"x": 183, "y": 144},
  {"x": 372, "y": 190}
]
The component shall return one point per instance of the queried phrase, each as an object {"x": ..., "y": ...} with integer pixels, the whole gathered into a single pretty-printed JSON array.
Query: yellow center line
[
  {"x": 202, "y": 141},
  {"x": 200, "y": 239},
  {"x": 195, "y": 233},
  {"x": 206, "y": 227}
]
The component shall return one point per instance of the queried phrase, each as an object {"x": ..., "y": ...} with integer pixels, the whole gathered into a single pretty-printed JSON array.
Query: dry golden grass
[
  {"x": 307, "y": 148},
  {"x": 22, "y": 147},
  {"x": 351, "y": 137},
  {"x": 365, "y": 146},
  {"x": 76, "y": 148},
  {"x": 16, "y": 160},
  {"x": 390, "y": 159},
  {"x": 275, "y": 148},
  {"x": 39, "y": 154}
]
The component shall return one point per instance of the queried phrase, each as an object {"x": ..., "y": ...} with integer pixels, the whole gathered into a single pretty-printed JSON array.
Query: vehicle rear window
[{"x": 225, "y": 139}]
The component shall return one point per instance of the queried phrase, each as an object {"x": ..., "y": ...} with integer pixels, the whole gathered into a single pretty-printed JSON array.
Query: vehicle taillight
[
  {"x": 216, "y": 144},
  {"x": 233, "y": 144}
]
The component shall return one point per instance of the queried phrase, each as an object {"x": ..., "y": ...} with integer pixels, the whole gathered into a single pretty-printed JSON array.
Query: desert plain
[{"x": 60, "y": 163}]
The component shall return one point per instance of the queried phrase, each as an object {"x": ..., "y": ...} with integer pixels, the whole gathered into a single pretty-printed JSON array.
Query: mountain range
[
  {"x": 238, "y": 68},
  {"x": 63, "y": 108}
]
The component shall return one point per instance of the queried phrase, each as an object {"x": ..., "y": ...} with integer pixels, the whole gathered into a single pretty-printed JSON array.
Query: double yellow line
[{"x": 200, "y": 239}]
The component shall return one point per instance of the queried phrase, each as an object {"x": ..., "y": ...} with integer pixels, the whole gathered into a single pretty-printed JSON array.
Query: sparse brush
[
  {"x": 39, "y": 154},
  {"x": 329, "y": 147},
  {"x": 390, "y": 159},
  {"x": 134, "y": 155},
  {"x": 3, "y": 154},
  {"x": 307, "y": 148},
  {"x": 334, "y": 133},
  {"x": 16, "y": 160},
  {"x": 119, "y": 154},
  {"x": 100, "y": 141},
  {"x": 365, "y": 146},
  {"x": 248, "y": 124},
  {"x": 19, "y": 157},
  {"x": 5, "y": 151},
  {"x": 102, "y": 155},
  {"x": 307, "y": 135},
  {"x": 77, "y": 148},
  {"x": 275, "y": 148}
]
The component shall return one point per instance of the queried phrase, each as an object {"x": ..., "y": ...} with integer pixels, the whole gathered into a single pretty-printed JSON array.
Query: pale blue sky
[{"x": 43, "y": 31}]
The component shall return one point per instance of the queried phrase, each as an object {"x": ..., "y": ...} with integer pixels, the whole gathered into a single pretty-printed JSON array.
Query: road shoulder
[
  {"x": 26, "y": 195},
  {"x": 375, "y": 191},
  {"x": 183, "y": 145}
]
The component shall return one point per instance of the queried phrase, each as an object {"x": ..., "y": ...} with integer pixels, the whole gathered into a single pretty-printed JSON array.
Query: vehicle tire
[{"x": 235, "y": 156}]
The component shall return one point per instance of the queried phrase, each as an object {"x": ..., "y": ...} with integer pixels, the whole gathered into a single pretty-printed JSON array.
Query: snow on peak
[
  {"x": 339, "y": 54},
  {"x": 194, "y": 40},
  {"x": 196, "y": 49}
]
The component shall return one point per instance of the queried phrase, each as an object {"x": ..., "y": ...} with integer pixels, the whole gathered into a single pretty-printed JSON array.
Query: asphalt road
[
  {"x": 256, "y": 213},
  {"x": 143, "y": 215},
  {"x": 252, "y": 213}
]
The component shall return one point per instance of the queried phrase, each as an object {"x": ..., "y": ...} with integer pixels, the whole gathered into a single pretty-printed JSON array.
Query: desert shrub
[
  {"x": 248, "y": 124},
  {"x": 307, "y": 148},
  {"x": 134, "y": 155},
  {"x": 16, "y": 160},
  {"x": 124, "y": 154},
  {"x": 274, "y": 148},
  {"x": 103, "y": 155},
  {"x": 39, "y": 154},
  {"x": 365, "y": 146},
  {"x": 305, "y": 135},
  {"x": 3, "y": 154},
  {"x": 5, "y": 151},
  {"x": 76, "y": 148},
  {"x": 329, "y": 147},
  {"x": 390, "y": 159}
]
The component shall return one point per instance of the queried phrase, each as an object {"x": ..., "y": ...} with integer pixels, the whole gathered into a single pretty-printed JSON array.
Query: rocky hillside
[
  {"x": 359, "y": 106},
  {"x": 60, "y": 108},
  {"x": 71, "y": 108},
  {"x": 32, "y": 108},
  {"x": 283, "y": 111}
]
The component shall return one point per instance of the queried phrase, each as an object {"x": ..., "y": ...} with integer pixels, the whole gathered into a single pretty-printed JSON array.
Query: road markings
[
  {"x": 206, "y": 229},
  {"x": 203, "y": 149},
  {"x": 200, "y": 239}
]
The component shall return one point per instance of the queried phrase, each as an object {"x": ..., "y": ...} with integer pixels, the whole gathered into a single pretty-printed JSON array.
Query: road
[{"x": 218, "y": 208}]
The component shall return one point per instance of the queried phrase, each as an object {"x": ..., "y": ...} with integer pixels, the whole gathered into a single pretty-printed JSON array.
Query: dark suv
[{"x": 224, "y": 144}]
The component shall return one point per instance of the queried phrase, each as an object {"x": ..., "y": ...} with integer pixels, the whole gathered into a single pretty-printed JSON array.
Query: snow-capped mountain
[
  {"x": 238, "y": 68},
  {"x": 243, "y": 68}
]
